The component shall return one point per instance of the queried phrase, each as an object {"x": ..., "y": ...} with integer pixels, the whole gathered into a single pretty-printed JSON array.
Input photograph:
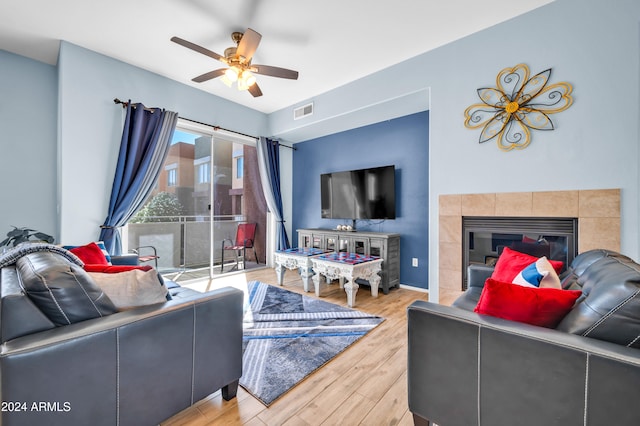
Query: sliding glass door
[{"x": 209, "y": 184}]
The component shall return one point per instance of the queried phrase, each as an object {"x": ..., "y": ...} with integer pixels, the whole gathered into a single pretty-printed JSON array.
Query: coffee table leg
[
  {"x": 374, "y": 282},
  {"x": 351, "y": 288},
  {"x": 316, "y": 283},
  {"x": 305, "y": 274},
  {"x": 280, "y": 273}
]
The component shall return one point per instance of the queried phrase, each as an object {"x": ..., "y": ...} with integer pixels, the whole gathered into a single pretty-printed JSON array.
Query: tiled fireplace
[{"x": 597, "y": 213}]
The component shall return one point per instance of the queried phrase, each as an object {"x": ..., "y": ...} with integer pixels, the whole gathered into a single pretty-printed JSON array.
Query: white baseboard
[{"x": 418, "y": 289}]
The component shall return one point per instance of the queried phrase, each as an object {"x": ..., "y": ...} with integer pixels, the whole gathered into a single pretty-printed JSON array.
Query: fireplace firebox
[{"x": 484, "y": 238}]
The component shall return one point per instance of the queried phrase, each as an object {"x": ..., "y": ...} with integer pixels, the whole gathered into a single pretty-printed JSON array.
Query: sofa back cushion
[
  {"x": 610, "y": 306},
  {"x": 571, "y": 278},
  {"x": 63, "y": 291}
]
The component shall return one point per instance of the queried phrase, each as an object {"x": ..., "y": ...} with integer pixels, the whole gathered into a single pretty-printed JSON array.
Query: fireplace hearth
[{"x": 484, "y": 238}]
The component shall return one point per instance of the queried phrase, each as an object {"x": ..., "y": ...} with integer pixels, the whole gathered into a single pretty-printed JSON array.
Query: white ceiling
[{"x": 330, "y": 42}]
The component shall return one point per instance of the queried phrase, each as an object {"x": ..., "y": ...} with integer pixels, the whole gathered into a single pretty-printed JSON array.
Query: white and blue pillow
[{"x": 538, "y": 274}]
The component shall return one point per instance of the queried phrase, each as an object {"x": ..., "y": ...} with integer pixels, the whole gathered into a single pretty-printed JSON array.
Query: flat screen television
[{"x": 359, "y": 194}]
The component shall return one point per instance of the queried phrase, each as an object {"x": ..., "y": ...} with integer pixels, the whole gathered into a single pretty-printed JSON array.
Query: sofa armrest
[
  {"x": 19, "y": 316},
  {"x": 478, "y": 274},
  {"x": 134, "y": 367},
  {"x": 125, "y": 259},
  {"x": 464, "y": 368}
]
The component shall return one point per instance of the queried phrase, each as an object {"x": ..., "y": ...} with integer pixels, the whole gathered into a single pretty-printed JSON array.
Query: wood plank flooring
[{"x": 364, "y": 385}]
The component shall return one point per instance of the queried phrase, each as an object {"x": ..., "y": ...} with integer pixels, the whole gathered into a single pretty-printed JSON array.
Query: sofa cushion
[
  {"x": 63, "y": 291},
  {"x": 131, "y": 288},
  {"x": 538, "y": 274},
  {"x": 537, "y": 306},
  {"x": 610, "y": 308},
  {"x": 90, "y": 254},
  {"x": 511, "y": 262}
]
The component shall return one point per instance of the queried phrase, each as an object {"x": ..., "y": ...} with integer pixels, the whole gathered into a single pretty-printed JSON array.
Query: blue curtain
[
  {"x": 144, "y": 146},
  {"x": 269, "y": 165}
]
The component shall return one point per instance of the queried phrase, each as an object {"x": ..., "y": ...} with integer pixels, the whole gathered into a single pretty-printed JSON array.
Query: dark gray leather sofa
[
  {"x": 136, "y": 367},
  {"x": 466, "y": 369}
]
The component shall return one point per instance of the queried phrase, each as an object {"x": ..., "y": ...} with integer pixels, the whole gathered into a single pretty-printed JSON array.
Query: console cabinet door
[
  {"x": 317, "y": 241},
  {"x": 377, "y": 247},
  {"x": 344, "y": 244},
  {"x": 304, "y": 240},
  {"x": 331, "y": 242},
  {"x": 360, "y": 246}
]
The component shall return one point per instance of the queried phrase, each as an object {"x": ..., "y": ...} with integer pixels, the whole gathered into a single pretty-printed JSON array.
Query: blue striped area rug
[{"x": 288, "y": 336}]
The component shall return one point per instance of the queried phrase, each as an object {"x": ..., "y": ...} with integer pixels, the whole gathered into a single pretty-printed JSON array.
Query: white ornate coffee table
[
  {"x": 296, "y": 258},
  {"x": 347, "y": 268}
]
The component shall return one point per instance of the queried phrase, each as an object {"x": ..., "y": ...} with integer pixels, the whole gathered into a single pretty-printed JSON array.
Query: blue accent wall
[{"x": 403, "y": 142}]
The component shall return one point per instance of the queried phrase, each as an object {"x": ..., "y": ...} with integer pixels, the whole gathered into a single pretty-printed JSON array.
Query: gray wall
[{"x": 28, "y": 111}]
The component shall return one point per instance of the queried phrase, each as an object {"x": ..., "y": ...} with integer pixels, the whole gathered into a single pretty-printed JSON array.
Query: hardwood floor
[{"x": 364, "y": 385}]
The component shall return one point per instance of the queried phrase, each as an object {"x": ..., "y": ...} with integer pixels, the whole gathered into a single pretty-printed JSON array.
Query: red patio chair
[{"x": 245, "y": 235}]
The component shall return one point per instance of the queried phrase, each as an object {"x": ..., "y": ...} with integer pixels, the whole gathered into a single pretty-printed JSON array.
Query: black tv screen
[{"x": 359, "y": 194}]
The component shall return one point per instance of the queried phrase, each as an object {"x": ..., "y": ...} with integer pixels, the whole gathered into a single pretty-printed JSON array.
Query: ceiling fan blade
[
  {"x": 197, "y": 48},
  {"x": 248, "y": 44},
  {"x": 275, "y": 71},
  {"x": 209, "y": 75},
  {"x": 254, "y": 89}
]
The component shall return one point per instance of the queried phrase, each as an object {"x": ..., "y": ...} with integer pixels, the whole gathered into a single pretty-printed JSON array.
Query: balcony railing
[{"x": 183, "y": 242}]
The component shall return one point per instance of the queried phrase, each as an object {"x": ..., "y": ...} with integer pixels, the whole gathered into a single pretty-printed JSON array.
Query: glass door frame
[{"x": 217, "y": 134}]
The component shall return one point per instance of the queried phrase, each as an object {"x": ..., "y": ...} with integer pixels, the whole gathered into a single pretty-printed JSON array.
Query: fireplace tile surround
[{"x": 598, "y": 213}]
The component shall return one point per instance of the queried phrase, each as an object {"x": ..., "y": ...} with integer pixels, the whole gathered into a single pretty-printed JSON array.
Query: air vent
[{"x": 303, "y": 111}]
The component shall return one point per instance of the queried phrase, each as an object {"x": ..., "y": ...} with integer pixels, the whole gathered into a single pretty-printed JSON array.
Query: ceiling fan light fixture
[
  {"x": 246, "y": 80},
  {"x": 226, "y": 80},
  {"x": 232, "y": 74},
  {"x": 249, "y": 78},
  {"x": 242, "y": 83}
]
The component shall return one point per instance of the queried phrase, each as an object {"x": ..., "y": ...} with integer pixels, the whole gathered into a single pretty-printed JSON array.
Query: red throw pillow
[
  {"x": 114, "y": 269},
  {"x": 537, "y": 306},
  {"x": 511, "y": 262},
  {"x": 91, "y": 254}
]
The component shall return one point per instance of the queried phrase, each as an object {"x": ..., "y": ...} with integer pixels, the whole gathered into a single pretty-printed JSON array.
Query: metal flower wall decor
[{"x": 516, "y": 106}]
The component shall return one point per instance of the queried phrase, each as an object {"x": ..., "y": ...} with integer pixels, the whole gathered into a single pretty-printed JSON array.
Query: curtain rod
[{"x": 125, "y": 104}]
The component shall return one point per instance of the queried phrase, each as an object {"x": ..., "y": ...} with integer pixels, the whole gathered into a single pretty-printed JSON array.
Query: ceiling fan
[{"x": 238, "y": 60}]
